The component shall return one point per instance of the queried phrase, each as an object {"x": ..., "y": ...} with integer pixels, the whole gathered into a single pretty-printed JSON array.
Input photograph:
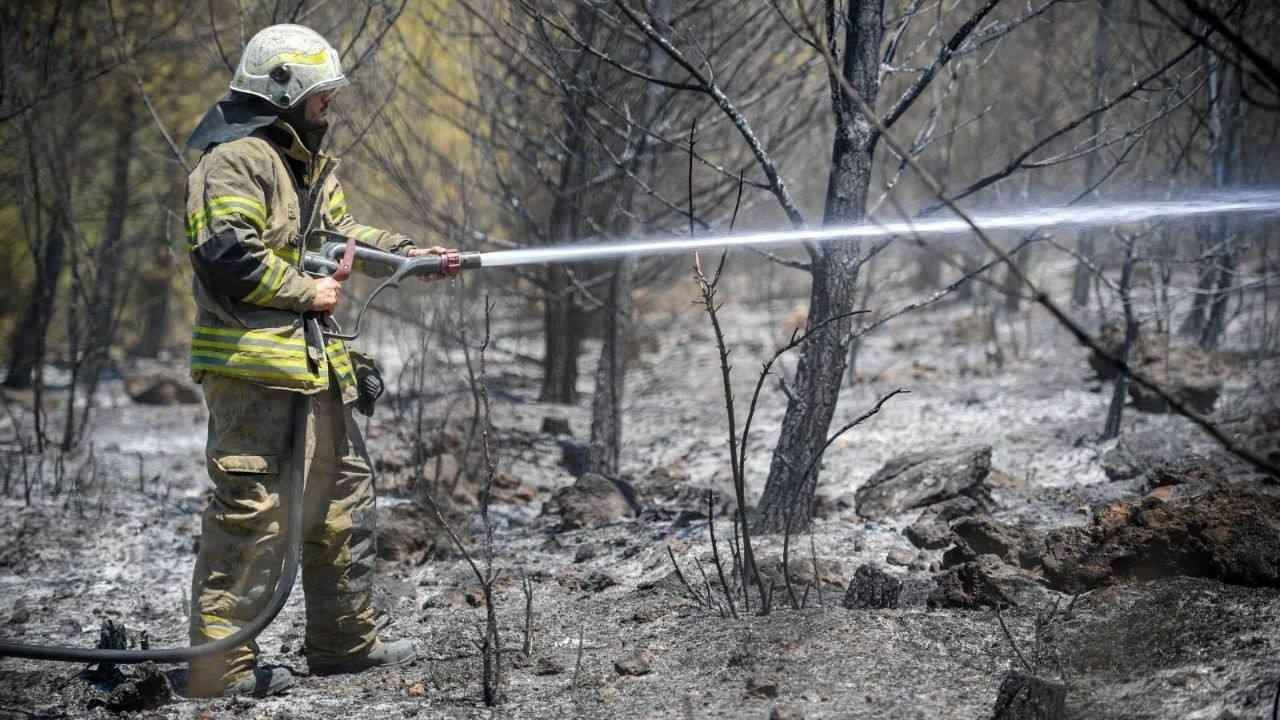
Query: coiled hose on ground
[{"x": 246, "y": 634}]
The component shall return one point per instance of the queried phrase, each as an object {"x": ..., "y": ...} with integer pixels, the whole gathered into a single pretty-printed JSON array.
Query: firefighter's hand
[
  {"x": 326, "y": 294},
  {"x": 433, "y": 250}
]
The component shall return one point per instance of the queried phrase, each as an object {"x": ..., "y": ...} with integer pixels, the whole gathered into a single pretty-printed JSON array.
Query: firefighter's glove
[{"x": 368, "y": 381}]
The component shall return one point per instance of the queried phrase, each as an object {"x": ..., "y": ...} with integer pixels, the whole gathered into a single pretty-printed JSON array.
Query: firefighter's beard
[
  {"x": 310, "y": 133},
  {"x": 313, "y": 135}
]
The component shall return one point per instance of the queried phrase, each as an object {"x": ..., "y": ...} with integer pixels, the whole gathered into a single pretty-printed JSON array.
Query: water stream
[{"x": 1024, "y": 220}]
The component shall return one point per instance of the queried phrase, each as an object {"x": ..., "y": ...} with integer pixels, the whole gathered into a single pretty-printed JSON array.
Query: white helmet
[{"x": 284, "y": 63}]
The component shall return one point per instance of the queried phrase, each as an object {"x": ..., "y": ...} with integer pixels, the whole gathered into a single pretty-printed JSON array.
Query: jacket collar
[
  {"x": 233, "y": 117},
  {"x": 293, "y": 148}
]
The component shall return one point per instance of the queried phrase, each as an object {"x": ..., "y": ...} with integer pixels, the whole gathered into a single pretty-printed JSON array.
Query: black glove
[{"x": 368, "y": 381}]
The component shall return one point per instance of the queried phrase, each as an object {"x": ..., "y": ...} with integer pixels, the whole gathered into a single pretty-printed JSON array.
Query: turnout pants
[{"x": 249, "y": 455}]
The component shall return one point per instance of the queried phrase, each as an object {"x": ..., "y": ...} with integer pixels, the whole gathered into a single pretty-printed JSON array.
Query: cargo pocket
[{"x": 248, "y": 464}]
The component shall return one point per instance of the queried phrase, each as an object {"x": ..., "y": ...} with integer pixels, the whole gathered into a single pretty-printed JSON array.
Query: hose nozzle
[{"x": 454, "y": 261}]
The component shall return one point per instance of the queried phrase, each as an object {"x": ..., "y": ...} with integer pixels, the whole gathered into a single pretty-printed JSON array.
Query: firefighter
[{"x": 260, "y": 187}]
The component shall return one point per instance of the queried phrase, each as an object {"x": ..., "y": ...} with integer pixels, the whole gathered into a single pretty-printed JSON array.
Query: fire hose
[
  {"x": 246, "y": 634},
  {"x": 335, "y": 259}
]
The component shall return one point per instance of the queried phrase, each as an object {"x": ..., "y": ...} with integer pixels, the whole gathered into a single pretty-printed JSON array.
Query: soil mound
[{"x": 1232, "y": 535}]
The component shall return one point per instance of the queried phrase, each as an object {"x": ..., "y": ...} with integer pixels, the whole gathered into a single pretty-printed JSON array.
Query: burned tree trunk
[
  {"x": 611, "y": 371},
  {"x": 812, "y": 401},
  {"x": 1115, "y": 411},
  {"x": 26, "y": 344},
  {"x": 1222, "y": 152},
  {"x": 47, "y": 175},
  {"x": 1193, "y": 323},
  {"x": 1093, "y": 167},
  {"x": 564, "y": 315},
  {"x": 563, "y": 318},
  {"x": 109, "y": 256}
]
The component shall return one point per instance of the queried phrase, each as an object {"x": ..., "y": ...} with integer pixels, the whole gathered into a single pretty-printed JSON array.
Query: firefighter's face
[{"x": 318, "y": 108}]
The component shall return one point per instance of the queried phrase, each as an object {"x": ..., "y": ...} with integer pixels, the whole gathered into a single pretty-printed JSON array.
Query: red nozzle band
[{"x": 451, "y": 262}]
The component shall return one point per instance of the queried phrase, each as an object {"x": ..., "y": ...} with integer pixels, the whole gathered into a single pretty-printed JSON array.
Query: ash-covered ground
[{"x": 1096, "y": 596}]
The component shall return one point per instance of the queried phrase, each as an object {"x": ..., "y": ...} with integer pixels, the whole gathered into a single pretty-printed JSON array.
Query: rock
[
  {"x": 1111, "y": 337},
  {"x": 826, "y": 507},
  {"x": 587, "y": 551},
  {"x": 146, "y": 690},
  {"x": 932, "y": 531},
  {"x": 900, "y": 556},
  {"x": 691, "y": 495},
  {"x": 1136, "y": 453},
  {"x": 922, "y": 478},
  {"x": 20, "y": 616},
  {"x": 161, "y": 386},
  {"x": 762, "y": 686},
  {"x": 829, "y": 574},
  {"x": 786, "y": 712},
  {"x": 598, "y": 580},
  {"x": 635, "y": 663},
  {"x": 1026, "y": 697},
  {"x": 547, "y": 666},
  {"x": 555, "y": 425},
  {"x": 1188, "y": 469},
  {"x": 872, "y": 587},
  {"x": 663, "y": 483},
  {"x": 591, "y": 501},
  {"x": 508, "y": 489},
  {"x": 1014, "y": 544},
  {"x": 1190, "y": 375},
  {"x": 409, "y": 532},
  {"x": 985, "y": 583},
  {"x": 1229, "y": 534},
  {"x": 645, "y": 614},
  {"x": 800, "y": 569}
]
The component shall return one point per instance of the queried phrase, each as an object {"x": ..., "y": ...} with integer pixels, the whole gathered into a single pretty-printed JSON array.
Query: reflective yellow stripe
[
  {"x": 244, "y": 347},
  {"x": 288, "y": 366},
  {"x": 338, "y": 205},
  {"x": 216, "y": 628},
  {"x": 341, "y": 361},
  {"x": 275, "y": 356},
  {"x": 366, "y": 232},
  {"x": 296, "y": 58},
  {"x": 225, "y": 206},
  {"x": 273, "y": 336},
  {"x": 288, "y": 253},
  {"x": 256, "y": 369},
  {"x": 251, "y": 209},
  {"x": 271, "y": 282}
]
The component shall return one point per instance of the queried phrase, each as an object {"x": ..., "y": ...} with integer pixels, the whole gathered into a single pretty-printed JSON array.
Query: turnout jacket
[{"x": 250, "y": 202}]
